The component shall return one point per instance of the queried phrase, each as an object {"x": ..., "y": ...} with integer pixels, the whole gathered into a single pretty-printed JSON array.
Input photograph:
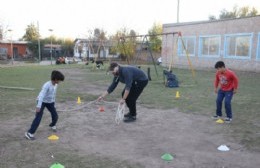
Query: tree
[
  {"x": 235, "y": 13},
  {"x": 96, "y": 33},
  {"x": 224, "y": 14},
  {"x": 3, "y": 30},
  {"x": 126, "y": 47},
  {"x": 212, "y": 17},
  {"x": 253, "y": 12},
  {"x": 154, "y": 40},
  {"x": 98, "y": 38},
  {"x": 67, "y": 47},
  {"x": 99, "y": 34},
  {"x": 132, "y": 33},
  {"x": 245, "y": 12},
  {"x": 34, "y": 47},
  {"x": 31, "y": 33}
]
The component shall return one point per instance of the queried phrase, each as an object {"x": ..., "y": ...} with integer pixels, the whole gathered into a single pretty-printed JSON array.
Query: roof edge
[{"x": 204, "y": 21}]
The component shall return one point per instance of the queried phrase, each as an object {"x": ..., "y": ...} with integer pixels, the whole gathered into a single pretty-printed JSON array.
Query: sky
[{"x": 77, "y": 18}]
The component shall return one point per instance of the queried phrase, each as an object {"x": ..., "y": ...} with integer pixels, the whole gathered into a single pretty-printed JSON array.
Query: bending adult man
[{"x": 135, "y": 81}]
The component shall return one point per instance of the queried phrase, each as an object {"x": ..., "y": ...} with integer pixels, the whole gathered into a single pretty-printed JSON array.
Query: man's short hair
[
  {"x": 112, "y": 66},
  {"x": 219, "y": 64}
]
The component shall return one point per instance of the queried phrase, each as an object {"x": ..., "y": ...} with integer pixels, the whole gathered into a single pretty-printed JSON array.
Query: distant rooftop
[
  {"x": 202, "y": 22},
  {"x": 14, "y": 42}
]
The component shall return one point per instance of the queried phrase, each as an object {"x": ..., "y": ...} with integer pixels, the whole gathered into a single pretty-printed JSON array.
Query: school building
[{"x": 234, "y": 41}]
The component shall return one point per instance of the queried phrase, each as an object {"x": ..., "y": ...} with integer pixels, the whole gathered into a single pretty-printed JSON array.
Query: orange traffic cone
[{"x": 101, "y": 109}]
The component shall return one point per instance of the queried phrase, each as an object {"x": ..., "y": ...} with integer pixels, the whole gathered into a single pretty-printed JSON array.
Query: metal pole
[
  {"x": 51, "y": 50},
  {"x": 51, "y": 43},
  {"x": 39, "y": 43},
  {"x": 178, "y": 6},
  {"x": 12, "y": 50},
  {"x": 12, "y": 54}
]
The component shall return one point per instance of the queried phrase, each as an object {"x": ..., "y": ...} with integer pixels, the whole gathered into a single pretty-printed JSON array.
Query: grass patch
[{"x": 196, "y": 96}]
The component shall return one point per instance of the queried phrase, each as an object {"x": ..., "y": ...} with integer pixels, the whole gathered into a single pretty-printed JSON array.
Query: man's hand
[
  {"x": 122, "y": 101},
  {"x": 100, "y": 98}
]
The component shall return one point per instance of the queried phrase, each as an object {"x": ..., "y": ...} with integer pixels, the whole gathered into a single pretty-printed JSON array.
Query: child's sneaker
[
  {"x": 54, "y": 128},
  {"x": 216, "y": 117},
  {"x": 228, "y": 120},
  {"x": 29, "y": 136}
]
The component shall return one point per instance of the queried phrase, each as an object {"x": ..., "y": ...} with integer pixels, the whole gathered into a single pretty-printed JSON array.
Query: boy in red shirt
[{"x": 226, "y": 83}]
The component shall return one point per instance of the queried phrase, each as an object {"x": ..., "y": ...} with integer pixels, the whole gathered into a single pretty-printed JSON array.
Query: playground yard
[{"x": 165, "y": 124}]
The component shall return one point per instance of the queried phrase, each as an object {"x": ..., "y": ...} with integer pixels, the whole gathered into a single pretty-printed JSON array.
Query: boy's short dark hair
[
  {"x": 112, "y": 66},
  {"x": 219, "y": 64},
  {"x": 57, "y": 75}
]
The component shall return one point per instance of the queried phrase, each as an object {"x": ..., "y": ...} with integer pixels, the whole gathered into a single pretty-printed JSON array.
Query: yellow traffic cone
[
  {"x": 79, "y": 101},
  {"x": 53, "y": 137},
  {"x": 220, "y": 121},
  {"x": 177, "y": 95}
]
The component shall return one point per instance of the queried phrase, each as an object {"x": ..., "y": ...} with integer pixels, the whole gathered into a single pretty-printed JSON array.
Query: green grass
[{"x": 196, "y": 96}]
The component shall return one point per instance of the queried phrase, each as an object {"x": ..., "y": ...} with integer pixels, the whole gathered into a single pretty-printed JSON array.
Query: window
[
  {"x": 189, "y": 43},
  {"x": 3, "y": 50},
  {"x": 238, "y": 46},
  {"x": 258, "y": 48},
  {"x": 209, "y": 46}
]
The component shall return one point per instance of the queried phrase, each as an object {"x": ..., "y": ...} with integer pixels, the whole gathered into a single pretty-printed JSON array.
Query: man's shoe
[
  {"x": 129, "y": 119},
  {"x": 228, "y": 120},
  {"x": 216, "y": 117},
  {"x": 127, "y": 115},
  {"x": 29, "y": 136}
]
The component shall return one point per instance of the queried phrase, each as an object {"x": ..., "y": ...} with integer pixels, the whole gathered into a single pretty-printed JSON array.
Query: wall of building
[
  {"x": 249, "y": 25},
  {"x": 19, "y": 50},
  {"x": 89, "y": 49}
]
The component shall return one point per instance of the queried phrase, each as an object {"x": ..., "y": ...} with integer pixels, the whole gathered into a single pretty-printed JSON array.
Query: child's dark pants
[
  {"x": 38, "y": 117},
  {"x": 228, "y": 97}
]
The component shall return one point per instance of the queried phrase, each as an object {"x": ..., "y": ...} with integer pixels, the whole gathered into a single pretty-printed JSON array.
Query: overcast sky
[{"x": 74, "y": 18}]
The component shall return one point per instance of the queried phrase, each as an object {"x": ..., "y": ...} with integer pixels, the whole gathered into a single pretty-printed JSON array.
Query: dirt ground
[{"x": 192, "y": 139}]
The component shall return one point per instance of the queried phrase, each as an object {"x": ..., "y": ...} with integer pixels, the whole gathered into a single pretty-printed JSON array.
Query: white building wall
[{"x": 250, "y": 25}]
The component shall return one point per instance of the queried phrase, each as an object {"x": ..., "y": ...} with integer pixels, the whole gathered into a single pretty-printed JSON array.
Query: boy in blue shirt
[{"x": 46, "y": 98}]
